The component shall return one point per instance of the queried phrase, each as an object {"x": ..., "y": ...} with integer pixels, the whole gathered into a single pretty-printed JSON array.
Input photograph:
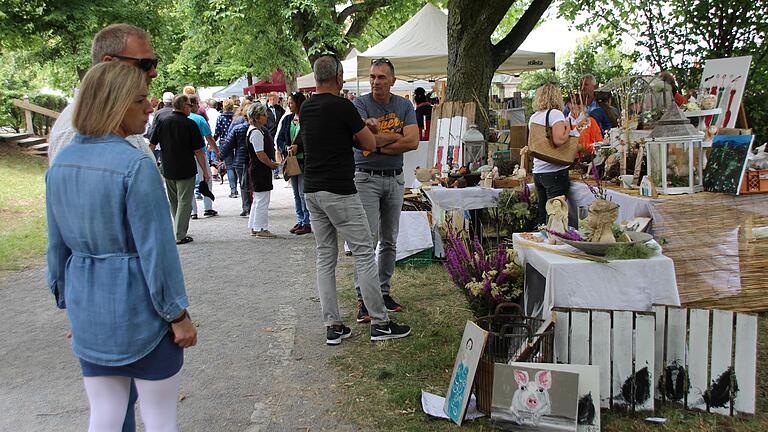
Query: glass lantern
[
  {"x": 475, "y": 150},
  {"x": 674, "y": 154}
]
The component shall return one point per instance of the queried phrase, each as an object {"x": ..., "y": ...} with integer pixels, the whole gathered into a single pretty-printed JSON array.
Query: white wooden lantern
[
  {"x": 675, "y": 158},
  {"x": 475, "y": 148}
]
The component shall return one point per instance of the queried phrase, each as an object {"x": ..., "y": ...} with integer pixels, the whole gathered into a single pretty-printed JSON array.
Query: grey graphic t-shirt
[{"x": 393, "y": 117}]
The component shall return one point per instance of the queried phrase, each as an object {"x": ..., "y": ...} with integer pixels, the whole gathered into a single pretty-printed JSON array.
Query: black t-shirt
[
  {"x": 178, "y": 137},
  {"x": 328, "y": 125}
]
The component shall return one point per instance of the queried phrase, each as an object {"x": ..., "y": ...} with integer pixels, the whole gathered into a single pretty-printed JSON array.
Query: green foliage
[
  {"x": 594, "y": 54},
  {"x": 629, "y": 251},
  {"x": 679, "y": 35}
]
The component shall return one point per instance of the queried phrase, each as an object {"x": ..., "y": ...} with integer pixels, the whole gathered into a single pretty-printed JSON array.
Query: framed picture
[
  {"x": 534, "y": 397},
  {"x": 464, "y": 369}
]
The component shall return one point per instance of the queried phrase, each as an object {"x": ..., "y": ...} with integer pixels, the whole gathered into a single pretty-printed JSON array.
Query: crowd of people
[{"x": 139, "y": 162}]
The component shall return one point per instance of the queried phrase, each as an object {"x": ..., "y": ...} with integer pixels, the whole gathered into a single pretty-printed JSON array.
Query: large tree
[{"x": 473, "y": 57}]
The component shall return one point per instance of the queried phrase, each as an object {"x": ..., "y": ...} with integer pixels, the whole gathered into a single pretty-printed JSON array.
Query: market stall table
[
  {"x": 575, "y": 283},
  {"x": 468, "y": 199}
]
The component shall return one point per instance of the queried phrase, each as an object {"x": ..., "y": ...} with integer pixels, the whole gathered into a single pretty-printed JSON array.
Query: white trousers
[
  {"x": 108, "y": 399},
  {"x": 259, "y": 218}
]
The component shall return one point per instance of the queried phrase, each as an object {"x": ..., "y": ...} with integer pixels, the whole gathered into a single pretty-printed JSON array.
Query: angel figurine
[{"x": 557, "y": 214}]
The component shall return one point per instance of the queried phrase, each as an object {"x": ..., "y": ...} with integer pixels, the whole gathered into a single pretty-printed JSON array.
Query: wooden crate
[
  {"x": 703, "y": 353},
  {"x": 620, "y": 343},
  {"x": 754, "y": 182},
  {"x": 697, "y": 359}
]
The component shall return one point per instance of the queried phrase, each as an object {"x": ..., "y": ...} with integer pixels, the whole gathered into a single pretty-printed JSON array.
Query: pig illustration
[{"x": 531, "y": 400}]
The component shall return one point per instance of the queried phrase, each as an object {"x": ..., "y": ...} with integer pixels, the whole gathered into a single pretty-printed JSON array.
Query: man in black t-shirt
[
  {"x": 180, "y": 143},
  {"x": 330, "y": 125}
]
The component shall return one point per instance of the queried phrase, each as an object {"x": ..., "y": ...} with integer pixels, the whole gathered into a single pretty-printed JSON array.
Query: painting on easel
[{"x": 726, "y": 79}]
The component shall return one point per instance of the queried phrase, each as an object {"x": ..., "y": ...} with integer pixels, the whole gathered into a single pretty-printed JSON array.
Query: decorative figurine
[{"x": 557, "y": 214}]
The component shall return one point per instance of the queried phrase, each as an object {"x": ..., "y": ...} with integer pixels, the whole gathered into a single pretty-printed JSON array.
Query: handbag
[
  {"x": 542, "y": 146},
  {"x": 291, "y": 166}
]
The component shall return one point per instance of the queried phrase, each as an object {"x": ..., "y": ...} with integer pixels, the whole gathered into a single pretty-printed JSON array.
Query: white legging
[{"x": 108, "y": 398}]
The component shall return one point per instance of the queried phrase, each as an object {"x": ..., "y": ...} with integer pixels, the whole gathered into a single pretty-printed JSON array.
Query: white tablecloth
[
  {"x": 414, "y": 235},
  {"x": 630, "y": 206},
  {"x": 618, "y": 285},
  {"x": 471, "y": 198}
]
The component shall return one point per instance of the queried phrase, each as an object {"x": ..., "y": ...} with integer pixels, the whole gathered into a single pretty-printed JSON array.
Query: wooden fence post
[{"x": 28, "y": 117}]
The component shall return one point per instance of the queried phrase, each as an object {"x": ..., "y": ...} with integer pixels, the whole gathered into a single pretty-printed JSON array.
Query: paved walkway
[{"x": 261, "y": 359}]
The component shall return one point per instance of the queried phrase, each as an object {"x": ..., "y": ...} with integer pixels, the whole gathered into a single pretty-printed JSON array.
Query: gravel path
[{"x": 261, "y": 363}]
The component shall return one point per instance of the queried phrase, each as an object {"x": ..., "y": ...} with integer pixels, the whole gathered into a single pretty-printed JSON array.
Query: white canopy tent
[
  {"x": 236, "y": 88},
  {"x": 349, "y": 65},
  {"x": 419, "y": 49}
]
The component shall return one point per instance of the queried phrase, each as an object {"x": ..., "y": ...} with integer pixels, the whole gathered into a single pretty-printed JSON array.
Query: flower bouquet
[{"x": 487, "y": 279}]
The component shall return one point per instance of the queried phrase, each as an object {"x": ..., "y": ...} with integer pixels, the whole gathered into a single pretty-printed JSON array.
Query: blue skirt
[{"x": 162, "y": 362}]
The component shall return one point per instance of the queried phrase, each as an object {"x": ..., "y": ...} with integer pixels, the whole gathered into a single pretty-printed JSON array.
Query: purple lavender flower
[
  {"x": 525, "y": 194},
  {"x": 568, "y": 235}
]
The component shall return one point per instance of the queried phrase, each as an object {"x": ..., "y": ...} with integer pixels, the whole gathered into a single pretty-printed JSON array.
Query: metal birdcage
[{"x": 511, "y": 337}]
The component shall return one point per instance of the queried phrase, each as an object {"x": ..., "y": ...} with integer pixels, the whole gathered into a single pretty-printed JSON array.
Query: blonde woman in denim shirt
[{"x": 116, "y": 270}]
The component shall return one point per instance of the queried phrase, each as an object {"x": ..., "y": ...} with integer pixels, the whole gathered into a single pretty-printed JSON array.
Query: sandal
[{"x": 184, "y": 240}]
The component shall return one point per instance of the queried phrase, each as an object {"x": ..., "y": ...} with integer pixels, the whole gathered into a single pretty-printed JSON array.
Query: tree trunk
[
  {"x": 470, "y": 68},
  {"x": 290, "y": 82},
  {"x": 249, "y": 77}
]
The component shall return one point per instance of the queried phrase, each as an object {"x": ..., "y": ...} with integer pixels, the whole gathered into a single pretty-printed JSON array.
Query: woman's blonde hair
[
  {"x": 107, "y": 90},
  {"x": 548, "y": 97},
  {"x": 189, "y": 90},
  {"x": 243, "y": 109},
  {"x": 228, "y": 105}
]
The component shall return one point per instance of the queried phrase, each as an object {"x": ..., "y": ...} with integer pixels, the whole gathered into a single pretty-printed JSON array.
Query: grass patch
[
  {"x": 23, "y": 229},
  {"x": 382, "y": 381}
]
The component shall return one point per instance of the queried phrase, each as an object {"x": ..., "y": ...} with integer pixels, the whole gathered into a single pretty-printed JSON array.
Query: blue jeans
[
  {"x": 334, "y": 214},
  {"x": 231, "y": 174},
  {"x": 302, "y": 214},
  {"x": 382, "y": 198}
]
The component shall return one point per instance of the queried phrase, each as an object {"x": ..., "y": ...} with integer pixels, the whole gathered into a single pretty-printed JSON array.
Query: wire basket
[{"x": 511, "y": 337}]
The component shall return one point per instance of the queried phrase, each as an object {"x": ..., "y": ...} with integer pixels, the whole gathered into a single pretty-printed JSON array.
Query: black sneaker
[
  {"x": 234, "y": 195},
  {"x": 391, "y": 304},
  {"x": 362, "y": 313},
  {"x": 210, "y": 213},
  {"x": 335, "y": 334},
  {"x": 391, "y": 330},
  {"x": 194, "y": 216},
  {"x": 245, "y": 213}
]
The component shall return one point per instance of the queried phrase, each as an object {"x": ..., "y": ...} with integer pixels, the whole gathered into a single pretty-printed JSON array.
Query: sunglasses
[
  {"x": 145, "y": 64},
  {"x": 380, "y": 61}
]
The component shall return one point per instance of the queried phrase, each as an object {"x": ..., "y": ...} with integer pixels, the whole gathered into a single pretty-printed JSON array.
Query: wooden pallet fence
[
  {"x": 621, "y": 344},
  {"x": 706, "y": 359},
  {"x": 449, "y": 122}
]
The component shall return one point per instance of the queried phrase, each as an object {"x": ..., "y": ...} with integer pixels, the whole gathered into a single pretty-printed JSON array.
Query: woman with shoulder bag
[
  {"x": 289, "y": 142},
  {"x": 117, "y": 272},
  {"x": 551, "y": 179},
  {"x": 262, "y": 162}
]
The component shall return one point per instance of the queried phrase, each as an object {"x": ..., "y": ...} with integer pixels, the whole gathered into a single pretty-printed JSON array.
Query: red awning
[{"x": 276, "y": 84}]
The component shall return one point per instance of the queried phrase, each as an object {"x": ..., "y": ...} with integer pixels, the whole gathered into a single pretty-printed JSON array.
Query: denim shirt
[{"x": 112, "y": 258}]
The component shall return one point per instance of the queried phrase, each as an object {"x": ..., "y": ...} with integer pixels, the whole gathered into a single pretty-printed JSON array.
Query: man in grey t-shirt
[{"x": 379, "y": 175}]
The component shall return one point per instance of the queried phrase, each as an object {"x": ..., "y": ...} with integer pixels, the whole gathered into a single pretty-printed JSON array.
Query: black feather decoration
[
  {"x": 719, "y": 393},
  {"x": 586, "y": 410},
  {"x": 675, "y": 386},
  {"x": 637, "y": 388}
]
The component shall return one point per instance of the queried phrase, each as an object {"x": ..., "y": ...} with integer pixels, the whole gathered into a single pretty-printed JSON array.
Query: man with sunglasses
[
  {"x": 134, "y": 47},
  {"x": 379, "y": 174}
]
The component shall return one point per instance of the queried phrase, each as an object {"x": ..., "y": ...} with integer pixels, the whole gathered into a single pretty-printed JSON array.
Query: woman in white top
[
  {"x": 551, "y": 180},
  {"x": 262, "y": 155}
]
